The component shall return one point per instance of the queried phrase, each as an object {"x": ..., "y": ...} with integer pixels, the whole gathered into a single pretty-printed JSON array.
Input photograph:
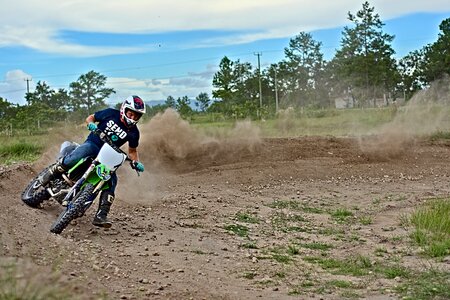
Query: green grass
[
  {"x": 17, "y": 284},
  {"x": 356, "y": 266},
  {"x": 431, "y": 284},
  {"x": 440, "y": 135},
  {"x": 249, "y": 245},
  {"x": 29, "y": 147},
  {"x": 19, "y": 151},
  {"x": 341, "y": 215},
  {"x": 249, "y": 275},
  {"x": 293, "y": 250},
  {"x": 237, "y": 229},
  {"x": 432, "y": 227},
  {"x": 365, "y": 220},
  {"x": 391, "y": 272},
  {"x": 327, "y": 122},
  {"x": 246, "y": 218},
  {"x": 316, "y": 246},
  {"x": 340, "y": 284}
]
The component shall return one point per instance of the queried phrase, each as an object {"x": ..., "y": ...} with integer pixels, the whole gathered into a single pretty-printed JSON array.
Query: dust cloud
[
  {"x": 168, "y": 137},
  {"x": 424, "y": 114},
  {"x": 169, "y": 144},
  {"x": 285, "y": 121},
  {"x": 56, "y": 136}
]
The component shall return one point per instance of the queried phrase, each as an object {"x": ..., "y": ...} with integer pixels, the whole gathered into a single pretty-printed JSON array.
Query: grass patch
[
  {"x": 237, "y": 229},
  {"x": 365, "y": 220},
  {"x": 432, "y": 227},
  {"x": 380, "y": 251},
  {"x": 392, "y": 272},
  {"x": 279, "y": 254},
  {"x": 316, "y": 246},
  {"x": 20, "y": 284},
  {"x": 341, "y": 215},
  {"x": 432, "y": 284},
  {"x": 281, "y": 258},
  {"x": 284, "y": 222},
  {"x": 246, "y": 218},
  {"x": 19, "y": 151},
  {"x": 249, "y": 245},
  {"x": 356, "y": 266},
  {"x": 343, "y": 284},
  {"x": 293, "y": 250},
  {"x": 440, "y": 135}
]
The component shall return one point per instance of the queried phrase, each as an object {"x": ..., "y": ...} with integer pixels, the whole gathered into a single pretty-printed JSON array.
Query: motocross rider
[{"x": 120, "y": 125}]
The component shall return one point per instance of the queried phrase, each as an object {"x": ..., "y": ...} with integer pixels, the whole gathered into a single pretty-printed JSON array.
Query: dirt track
[{"x": 169, "y": 239}]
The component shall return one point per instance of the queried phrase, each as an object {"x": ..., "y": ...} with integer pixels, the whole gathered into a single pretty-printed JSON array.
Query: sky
[{"x": 161, "y": 48}]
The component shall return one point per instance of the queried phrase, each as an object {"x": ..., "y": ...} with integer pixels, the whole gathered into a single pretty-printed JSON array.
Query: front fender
[{"x": 100, "y": 173}]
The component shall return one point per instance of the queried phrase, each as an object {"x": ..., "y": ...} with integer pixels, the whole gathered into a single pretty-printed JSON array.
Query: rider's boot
[
  {"x": 52, "y": 172},
  {"x": 101, "y": 217}
]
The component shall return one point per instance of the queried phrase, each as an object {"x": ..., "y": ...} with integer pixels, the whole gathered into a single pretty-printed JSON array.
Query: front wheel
[
  {"x": 34, "y": 194},
  {"x": 74, "y": 209}
]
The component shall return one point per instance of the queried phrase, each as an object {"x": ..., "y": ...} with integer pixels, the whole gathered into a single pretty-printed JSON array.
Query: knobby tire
[
  {"x": 34, "y": 197},
  {"x": 73, "y": 210}
]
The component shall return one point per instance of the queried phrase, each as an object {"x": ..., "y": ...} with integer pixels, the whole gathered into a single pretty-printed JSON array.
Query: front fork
[{"x": 99, "y": 183}]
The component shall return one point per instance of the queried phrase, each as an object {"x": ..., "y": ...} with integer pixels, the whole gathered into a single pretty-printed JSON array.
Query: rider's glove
[
  {"x": 92, "y": 126},
  {"x": 138, "y": 166}
]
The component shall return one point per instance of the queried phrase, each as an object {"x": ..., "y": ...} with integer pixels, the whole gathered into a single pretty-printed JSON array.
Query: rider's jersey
[{"x": 110, "y": 123}]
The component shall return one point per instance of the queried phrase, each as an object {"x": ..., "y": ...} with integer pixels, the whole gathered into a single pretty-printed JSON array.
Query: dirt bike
[{"x": 77, "y": 188}]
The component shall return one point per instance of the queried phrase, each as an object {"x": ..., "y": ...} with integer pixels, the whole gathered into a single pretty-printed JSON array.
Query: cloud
[
  {"x": 250, "y": 19},
  {"x": 15, "y": 86},
  {"x": 160, "y": 88}
]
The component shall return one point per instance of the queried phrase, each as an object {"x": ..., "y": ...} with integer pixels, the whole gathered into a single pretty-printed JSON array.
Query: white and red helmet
[{"x": 133, "y": 103}]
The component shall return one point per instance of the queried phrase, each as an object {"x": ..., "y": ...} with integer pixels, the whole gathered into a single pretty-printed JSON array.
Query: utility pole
[
  {"x": 28, "y": 84},
  {"x": 259, "y": 77},
  {"x": 276, "y": 91}
]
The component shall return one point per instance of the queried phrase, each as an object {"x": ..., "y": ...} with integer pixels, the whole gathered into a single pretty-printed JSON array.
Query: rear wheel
[
  {"x": 34, "y": 194},
  {"x": 74, "y": 210}
]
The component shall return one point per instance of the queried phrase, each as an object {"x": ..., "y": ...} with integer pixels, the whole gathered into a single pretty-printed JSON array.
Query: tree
[
  {"x": 183, "y": 106},
  {"x": 303, "y": 69},
  {"x": 364, "y": 63},
  {"x": 203, "y": 101},
  {"x": 41, "y": 95},
  {"x": 60, "y": 100},
  {"x": 224, "y": 80},
  {"x": 410, "y": 70},
  {"x": 235, "y": 86},
  {"x": 89, "y": 91},
  {"x": 437, "y": 55},
  {"x": 170, "y": 102},
  {"x": 7, "y": 112}
]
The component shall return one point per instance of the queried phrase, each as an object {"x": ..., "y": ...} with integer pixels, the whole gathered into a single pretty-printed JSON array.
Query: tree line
[{"x": 362, "y": 73}]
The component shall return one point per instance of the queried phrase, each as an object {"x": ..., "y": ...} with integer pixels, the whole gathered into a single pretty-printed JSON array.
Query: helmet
[{"x": 135, "y": 104}]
